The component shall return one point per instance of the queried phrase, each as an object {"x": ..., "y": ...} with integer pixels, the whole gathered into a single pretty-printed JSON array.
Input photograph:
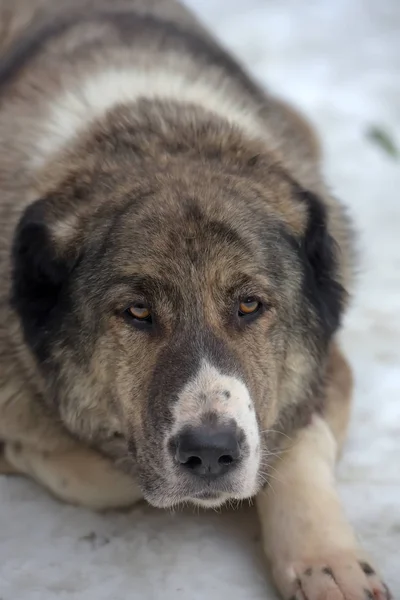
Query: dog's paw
[{"x": 343, "y": 577}]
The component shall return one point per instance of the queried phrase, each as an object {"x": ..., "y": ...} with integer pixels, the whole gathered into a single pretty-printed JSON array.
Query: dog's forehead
[{"x": 189, "y": 238}]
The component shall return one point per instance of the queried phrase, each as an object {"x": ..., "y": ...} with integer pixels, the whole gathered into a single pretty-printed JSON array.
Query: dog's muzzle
[{"x": 214, "y": 447}]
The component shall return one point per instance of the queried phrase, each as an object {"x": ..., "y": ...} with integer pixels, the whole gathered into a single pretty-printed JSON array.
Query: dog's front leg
[
  {"x": 78, "y": 475},
  {"x": 312, "y": 550}
]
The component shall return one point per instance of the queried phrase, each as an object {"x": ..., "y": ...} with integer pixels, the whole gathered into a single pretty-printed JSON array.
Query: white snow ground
[{"x": 339, "y": 60}]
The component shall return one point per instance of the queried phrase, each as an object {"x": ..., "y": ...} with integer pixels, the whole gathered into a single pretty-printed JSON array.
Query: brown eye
[
  {"x": 139, "y": 312},
  {"x": 139, "y": 315},
  {"x": 249, "y": 306}
]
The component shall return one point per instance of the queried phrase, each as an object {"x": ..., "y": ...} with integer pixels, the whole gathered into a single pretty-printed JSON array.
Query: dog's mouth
[
  {"x": 209, "y": 499},
  {"x": 215, "y": 494},
  {"x": 207, "y": 495}
]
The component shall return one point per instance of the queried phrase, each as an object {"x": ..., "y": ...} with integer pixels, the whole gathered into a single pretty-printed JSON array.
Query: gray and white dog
[{"x": 173, "y": 275}]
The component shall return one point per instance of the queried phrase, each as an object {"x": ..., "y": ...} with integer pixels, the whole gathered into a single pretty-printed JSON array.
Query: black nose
[{"x": 207, "y": 451}]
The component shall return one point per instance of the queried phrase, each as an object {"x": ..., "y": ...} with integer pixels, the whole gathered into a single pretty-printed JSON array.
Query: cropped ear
[
  {"x": 42, "y": 261},
  {"x": 320, "y": 258}
]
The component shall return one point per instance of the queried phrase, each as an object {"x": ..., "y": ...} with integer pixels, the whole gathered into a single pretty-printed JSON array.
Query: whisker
[{"x": 265, "y": 431}]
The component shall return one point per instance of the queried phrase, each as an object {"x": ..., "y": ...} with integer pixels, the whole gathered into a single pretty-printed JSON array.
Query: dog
[{"x": 174, "y": 272}]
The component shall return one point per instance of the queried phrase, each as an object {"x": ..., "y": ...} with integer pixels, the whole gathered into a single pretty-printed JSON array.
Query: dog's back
[{"x": 65, "y": 63}]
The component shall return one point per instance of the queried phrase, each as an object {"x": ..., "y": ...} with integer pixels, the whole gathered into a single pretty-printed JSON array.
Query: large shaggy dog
[{"x": 173, "y": 274}]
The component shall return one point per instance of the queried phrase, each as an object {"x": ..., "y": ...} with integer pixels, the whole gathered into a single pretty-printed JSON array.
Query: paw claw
[
  {"x": 368, "y": 570},
  {"x": 328, "y": 571},
  {"x": 387, "y": 592}
]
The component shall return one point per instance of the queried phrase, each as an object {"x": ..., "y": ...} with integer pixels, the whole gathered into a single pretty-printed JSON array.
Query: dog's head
[{"x": 178, "y": 301}]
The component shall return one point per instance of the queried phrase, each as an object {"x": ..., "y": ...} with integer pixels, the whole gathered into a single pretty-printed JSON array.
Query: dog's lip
[
  {"x": 207, "y": 495},
  {"x": 209, "y": 489}
]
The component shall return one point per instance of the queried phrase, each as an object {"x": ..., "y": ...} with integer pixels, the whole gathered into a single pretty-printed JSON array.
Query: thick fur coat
[{"x": 171, "y": 259}]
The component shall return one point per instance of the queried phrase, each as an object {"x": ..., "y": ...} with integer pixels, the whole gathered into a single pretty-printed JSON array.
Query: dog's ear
[
  {"x": 45, "y": 252},
  {"x": 320, "y": 258}
]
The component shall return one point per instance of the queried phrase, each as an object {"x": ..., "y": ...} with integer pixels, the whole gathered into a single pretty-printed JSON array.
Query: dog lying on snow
[{"x": 174, "y": 271}]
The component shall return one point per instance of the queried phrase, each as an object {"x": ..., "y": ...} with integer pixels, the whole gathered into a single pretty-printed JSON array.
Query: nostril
[
  {"x": 226, "y": 459},
  {"x": 192, "y": 462}
]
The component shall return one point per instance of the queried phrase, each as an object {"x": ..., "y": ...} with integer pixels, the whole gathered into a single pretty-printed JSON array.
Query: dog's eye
[
  {"x": 249, "y": 306},
  {"x": 139, "y": 312}
]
